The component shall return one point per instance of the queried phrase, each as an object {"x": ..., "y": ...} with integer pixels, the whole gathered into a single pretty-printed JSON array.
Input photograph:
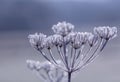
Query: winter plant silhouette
[{"x": 75, "y": 50}]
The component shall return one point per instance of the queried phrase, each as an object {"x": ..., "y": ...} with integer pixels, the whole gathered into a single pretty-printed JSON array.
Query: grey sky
[{"x": 40, "y": 14}]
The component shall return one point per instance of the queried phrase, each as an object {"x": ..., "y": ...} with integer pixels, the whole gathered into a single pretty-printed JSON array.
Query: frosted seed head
[
  {"x": 47, "y": 66},
  {"x": 57, "y": 40},
  {"x": 71, "y": 36},
  {"x": 30, "y": 64},
  {"x": 37, "y": 40},
  {"x": 46, "y": 69},
  {"x": 78, "y": 39},
  {"x": 49, "y": 42},
  {"x": 37, "y": 66},
  {"x": 85, "y": 36},
  {"x": 112, "y": 32},
  {"x": 33, "y": 65},
  {"x": 92, "y": 39},
  {"x": 99, "y": 31},
  {"x": 106, "y": 32},
  {"x": 63, "y": 28},
  {"x": 57, "y": 74}
]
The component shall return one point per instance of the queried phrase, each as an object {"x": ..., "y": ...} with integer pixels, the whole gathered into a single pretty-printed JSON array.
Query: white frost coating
[
  {"x": 33, "y": 64},
  {"x": 75, "y": 50},
  {"x": 47, "y": 71},
  {"x": 92, "y": 39},
  {"x": 63, "y": 28},
  {"x": 57, "y": 39},
  {"x": 49, "y": 42},
  {"x": 106, "y": 32},
  {"x": 78, "y": 39},
  {"x": 37, "y": 40}
]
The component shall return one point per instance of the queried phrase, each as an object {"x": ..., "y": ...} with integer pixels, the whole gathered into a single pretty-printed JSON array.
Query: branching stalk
[{"x": 51, "y": 55}]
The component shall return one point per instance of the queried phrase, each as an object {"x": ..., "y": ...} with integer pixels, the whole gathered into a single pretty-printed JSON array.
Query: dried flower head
[
  {"x": 106, "y": 32},
  {"x": 47, "y": 71},
  {"x": 71, "y": 48},
  {"x": 78, "y": 38},
  {"x": 37, "y": 40},
  {"x": 57, "y": 40},
  {"x": 33, "y": 65},
  {"x": 92, "y": 39},
  {"x": 63, "y": 28},
  {"x": 49, "y": 42}
]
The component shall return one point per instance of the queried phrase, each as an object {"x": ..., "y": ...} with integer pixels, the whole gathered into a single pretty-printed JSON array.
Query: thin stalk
[
  {"x": 79, "y": 67},
  {"x": 51, "y": 55},
  {"x": 71, "y": 54},
  {"x": 78, "y": 55},
  {"x": 80, "y": 51},
  {"x": 84, "y": 56},
  {"x": 99, "y": 51},
  {"x": 43, "y": 54},
  {"x": 104, "y": 45},
  {"x": 65, "y": 54},
  {"x": 49, "y": 77},
  {"x": 69, "y": 76},
  {"x": 73, "y": 62},
  {"x": 101, "y": 41},
  {"x": 61, "y": 55}
]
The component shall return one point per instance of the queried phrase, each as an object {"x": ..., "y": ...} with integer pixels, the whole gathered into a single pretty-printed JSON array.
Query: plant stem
[{"x": 69, "y": 76}]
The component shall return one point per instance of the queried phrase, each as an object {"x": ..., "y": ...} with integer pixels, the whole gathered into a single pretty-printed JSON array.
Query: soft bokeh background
[{"x": 19, "y": 18}]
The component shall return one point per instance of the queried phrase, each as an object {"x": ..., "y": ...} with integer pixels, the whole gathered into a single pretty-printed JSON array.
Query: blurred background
[{"x": 19, "y": 18}]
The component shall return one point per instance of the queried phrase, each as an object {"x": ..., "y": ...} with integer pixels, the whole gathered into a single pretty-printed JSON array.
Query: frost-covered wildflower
[
  {"x": 92, "y": 39},
  {"x": 63, "y": 28},
  {"x": 84, "y": 36},
  {"x": 37, "y": 40},
  {"x": 33, "y": 65},
  {"x": 58, "y": 75},
  {"x": 53, "y": 40},
  {"x": 71, "y": 48},
  {"x": 71, "y": 36},
  {"x": 49, "y": 42},
  {"x": 106, "y": 32},
  {"x": 47, "y": 71},
  {"x": 57, "y": 40},
  {"x": 78, "y": 38}
]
